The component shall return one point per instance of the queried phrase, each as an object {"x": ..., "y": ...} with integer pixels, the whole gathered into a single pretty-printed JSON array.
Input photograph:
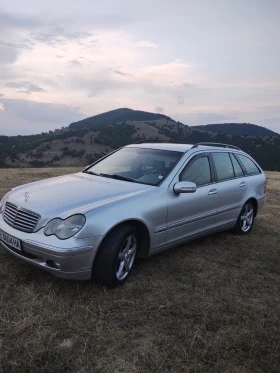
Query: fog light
[{"x": 53, "y": 264}]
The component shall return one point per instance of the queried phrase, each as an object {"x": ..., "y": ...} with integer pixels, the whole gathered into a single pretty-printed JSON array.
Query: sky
[{"x": 198, "y": 62}]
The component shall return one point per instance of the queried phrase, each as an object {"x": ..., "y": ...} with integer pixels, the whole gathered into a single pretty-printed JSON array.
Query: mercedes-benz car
[{"x": 135, "y": 202}]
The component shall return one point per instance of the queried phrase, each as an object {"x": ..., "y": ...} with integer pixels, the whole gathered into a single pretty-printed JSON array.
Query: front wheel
[
  {"x": 116, "y": 256},
  {"x": 246, "y": 218}
]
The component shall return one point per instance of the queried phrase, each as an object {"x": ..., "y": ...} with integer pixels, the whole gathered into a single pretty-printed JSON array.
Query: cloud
[
  {"x": 20, "y": 32},
  {"x": 180, "y": 100},
  {"x": 269, "y": 116},
  {"x": 197, "y": 118},
  {"x": 174, "y": 73},
  {"x": 25, "y": 86},
  {"x": 18, "y": 21},
  {"x": 38, "y": 111},
  {"x": 8, "y": 55},
  {"x": 118, "y": 72},
  {"x": 147, "y": 44},
  {"x": 272, "y": 109},
  {"x": 59, "y": 35},
  {"x": 1, "y": 106},
  {"x": 213, "y": 117},
  {"x": 7, "y": 72},
  {"x": 159, "y": 109},
  {"x": 75, "y": 62},
  {"x": 272, "y": 123},
  {"x": 97, "y": 85},
  {"x": 146, "y": 86},
  {"x": 130, "y": 58},
  {"x": 13, "y": 34},
  {"x": 15, "y": 45},
  {"x": 27, "y": 117}
]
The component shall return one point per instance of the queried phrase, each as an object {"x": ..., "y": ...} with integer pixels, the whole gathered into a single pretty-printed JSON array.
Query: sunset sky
[{"x": 199, "y": 61}]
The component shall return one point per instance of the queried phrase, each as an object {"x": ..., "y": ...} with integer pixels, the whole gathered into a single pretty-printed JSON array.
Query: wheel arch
[
  {"x": 144, "y": 235},
  {"x": 255, "y": 203}
]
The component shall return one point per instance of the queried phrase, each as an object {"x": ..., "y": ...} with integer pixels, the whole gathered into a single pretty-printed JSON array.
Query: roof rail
[
  {"x": 218, "y": 144},
  {"x": 155, "y": 140}
]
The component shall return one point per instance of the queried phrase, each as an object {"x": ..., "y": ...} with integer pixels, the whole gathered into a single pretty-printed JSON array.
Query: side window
[
  {"x": 250, "y": 167},
  {"x": 236, "y": 166},
  {"x": 197, "y": 171},
  {"x": 223, "y": 166}
]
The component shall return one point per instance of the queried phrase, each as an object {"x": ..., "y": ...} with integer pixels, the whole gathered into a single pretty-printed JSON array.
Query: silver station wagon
[{"x": 135, "y": 202}]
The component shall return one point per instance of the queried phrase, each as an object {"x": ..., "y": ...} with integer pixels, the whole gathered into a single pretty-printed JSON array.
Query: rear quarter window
[
  {"x": 223, "y": 166},
  {"x": 236, "y": 166},
  {"x": 249, "y": 166}
]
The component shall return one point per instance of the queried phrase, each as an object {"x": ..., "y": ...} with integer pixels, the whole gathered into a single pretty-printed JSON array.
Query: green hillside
[
  {"x": 81, "y": 144},
  {"x": 237, "y": 129}
]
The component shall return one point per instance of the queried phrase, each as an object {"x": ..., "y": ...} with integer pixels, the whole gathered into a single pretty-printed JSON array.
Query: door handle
[
  {"x": 212, "y": 191},
  {"x": 242, "y": 184}
]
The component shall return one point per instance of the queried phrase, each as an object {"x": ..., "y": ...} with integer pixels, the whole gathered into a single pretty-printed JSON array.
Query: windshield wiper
[
  {"x": 112, "y": 176},
  {"x": 118, "y": 177},
  {"x": 92, "y": 173}
]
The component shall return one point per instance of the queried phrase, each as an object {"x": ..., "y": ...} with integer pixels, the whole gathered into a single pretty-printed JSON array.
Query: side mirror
[{"x": 184, "y": 187}]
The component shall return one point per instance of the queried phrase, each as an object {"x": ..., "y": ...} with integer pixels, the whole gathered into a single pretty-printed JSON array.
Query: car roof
[{"x": 162, "y": 146}]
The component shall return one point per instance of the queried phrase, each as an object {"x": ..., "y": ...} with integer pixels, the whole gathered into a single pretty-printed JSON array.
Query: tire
[
  {"x": 116, "y": 256},
  {"x": 246, "y": 218}
]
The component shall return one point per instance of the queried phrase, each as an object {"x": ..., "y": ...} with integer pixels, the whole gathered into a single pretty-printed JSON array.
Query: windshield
[{"x": 145, "y": 166}]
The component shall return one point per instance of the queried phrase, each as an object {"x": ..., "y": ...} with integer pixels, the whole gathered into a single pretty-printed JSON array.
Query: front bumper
[{"x": 69, "y": 259}]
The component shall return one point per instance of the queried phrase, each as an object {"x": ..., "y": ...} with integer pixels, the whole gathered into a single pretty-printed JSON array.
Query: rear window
[{"x": 248, "y": 164}]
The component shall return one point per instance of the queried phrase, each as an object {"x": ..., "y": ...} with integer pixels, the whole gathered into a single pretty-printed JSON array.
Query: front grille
[{"x": 20, "y": 218}]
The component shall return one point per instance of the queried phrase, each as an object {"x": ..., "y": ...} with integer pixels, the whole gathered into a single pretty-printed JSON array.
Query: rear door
[
  {"x": 190, "y": 214},
  {"x": 231, "y": 187}
]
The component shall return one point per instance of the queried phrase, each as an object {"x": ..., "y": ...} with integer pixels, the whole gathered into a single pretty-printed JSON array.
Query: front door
[{"x": 190, "y": 214}]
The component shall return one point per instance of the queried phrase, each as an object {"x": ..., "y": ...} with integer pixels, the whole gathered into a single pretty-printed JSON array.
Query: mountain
[
  {"x": 238, "y": 129},
  {"x": 115, "y": 116},
  {"x": 81, "y": 143}
]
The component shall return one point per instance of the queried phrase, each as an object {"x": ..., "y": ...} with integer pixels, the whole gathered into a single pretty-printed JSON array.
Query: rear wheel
[
  {"x": 116, "y": 256},
  {"x": 246, "y": 218}
]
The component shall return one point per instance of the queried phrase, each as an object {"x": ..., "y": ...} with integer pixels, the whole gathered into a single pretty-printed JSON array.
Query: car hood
[{"x": 77, "y": 193}]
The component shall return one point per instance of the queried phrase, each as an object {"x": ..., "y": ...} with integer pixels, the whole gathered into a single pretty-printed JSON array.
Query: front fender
[{"x": 151, "y": 211}]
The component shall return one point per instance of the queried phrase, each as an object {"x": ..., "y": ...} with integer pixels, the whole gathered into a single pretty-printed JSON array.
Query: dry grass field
[{"x": 212, "y": 305}]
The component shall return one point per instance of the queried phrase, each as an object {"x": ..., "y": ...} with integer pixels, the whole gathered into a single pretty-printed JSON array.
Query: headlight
[
  {"x": 67, "y": 228},
  {"x": 3, "y": 201}
]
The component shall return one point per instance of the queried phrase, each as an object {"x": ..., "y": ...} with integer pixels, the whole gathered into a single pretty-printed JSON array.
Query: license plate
[{"x": 10, "y": 240}]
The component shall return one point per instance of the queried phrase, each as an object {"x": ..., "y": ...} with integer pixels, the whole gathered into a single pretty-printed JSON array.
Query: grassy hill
[
  {"x": 237, "y": 129},
  {"x": 83, "y": 142}
]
